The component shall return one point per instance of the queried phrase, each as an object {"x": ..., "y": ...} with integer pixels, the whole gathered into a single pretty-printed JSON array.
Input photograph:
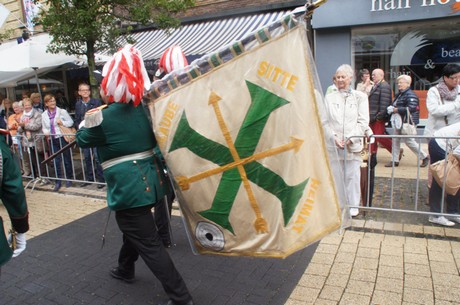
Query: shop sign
[{"x": 391, "y": 5}]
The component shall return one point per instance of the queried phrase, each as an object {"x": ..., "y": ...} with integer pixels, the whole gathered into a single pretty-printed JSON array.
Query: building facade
[{"x": 414, "y": 37}]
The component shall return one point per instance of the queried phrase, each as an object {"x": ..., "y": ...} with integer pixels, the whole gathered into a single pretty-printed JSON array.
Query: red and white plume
[
  {"x": 125, "y": 76},
  {"x": 172, "y": 59}
]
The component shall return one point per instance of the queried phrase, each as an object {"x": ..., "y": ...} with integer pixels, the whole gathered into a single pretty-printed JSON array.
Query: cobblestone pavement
[{"x": 383, "y": 258}]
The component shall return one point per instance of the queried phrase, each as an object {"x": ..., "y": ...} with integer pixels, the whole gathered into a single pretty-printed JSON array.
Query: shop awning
[{"x": 200, "y": 38}]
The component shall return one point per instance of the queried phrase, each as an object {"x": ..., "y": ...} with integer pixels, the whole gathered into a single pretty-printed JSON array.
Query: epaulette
[{"x": 94, "y": 117}]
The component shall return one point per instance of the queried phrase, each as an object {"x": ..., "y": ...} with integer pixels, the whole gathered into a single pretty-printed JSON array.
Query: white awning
[{"x": 196, "y": 39}]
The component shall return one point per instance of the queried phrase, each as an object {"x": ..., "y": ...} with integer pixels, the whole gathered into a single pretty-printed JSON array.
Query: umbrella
[{"x": 30, "y": 57}]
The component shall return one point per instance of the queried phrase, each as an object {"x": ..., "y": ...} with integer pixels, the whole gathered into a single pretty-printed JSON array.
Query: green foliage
[{"x": 82, "y": 27}]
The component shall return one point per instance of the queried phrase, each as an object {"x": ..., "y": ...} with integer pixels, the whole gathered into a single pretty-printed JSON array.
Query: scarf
[
  {"x": 446, "y": 94},
  {"x": 52, "y": 115}
]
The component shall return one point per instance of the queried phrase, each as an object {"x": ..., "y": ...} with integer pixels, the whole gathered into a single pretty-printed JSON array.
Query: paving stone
[
  {"x": 418, "y": 282},
  {"x": 450, "y": 295},
  {"x": 414, "y": 269},
  {"x": 418, "y": 296},
  {"x": 333, "y": 239},
  {"x": 348, "y": 247},
  {"x": 366, "y": 275},
  {"x": 415, "y": 258},
  {"x": 374, "y": 225},
  {"x": 438, "y": 245},
  {"x": 352, "y": 236},
  {"x": 305, "y": 294},
  {"x": 354, "y": 299},
  {"x": 345, "y": 257},
  {"x": 410, "y": 228},
  {"x": 392, "y": 250},
  {"x": 391, "y": 272},
  {"x": 443, "y": 267},
  {"x": 391, "y": 226},
  {"x": 368, "y": 252},
  {"x": 366, "y": 263},
  {"x": 312, "y": 281},
  {"x": 324, "y": 302},
  {"x": 391, "y": 260},
  {"x": 323, "y": 258},
  {"x": 294, "y": 302},
  {"x": 432, "y": 230},
  {"x": 443, "y": 256},
  {"x": 333, "y": 293},
  {"x": 389, "y": 284},
  {"x": 318, "y": 269},
  {"x": 446, "y": 280},
  {"x": 358, "y": 223},
  {"x": 386, "y": 298},
  {"x": 451, "y": 232},
  {"x": 341, "y": 268},
  {"x": 327, "y": 248},
  {"x": 336, "y": 279},
  {"x": 360, "y": 287}
]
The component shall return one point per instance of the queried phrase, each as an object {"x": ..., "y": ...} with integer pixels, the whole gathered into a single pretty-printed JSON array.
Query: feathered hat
[
  {"x": 173, "y": 58},
  {"x": 125, "y": 76}
]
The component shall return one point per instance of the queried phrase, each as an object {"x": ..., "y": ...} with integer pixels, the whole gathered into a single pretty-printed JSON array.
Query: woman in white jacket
[
  {"x": 52, "y": 118},
  {"x": 349, "y": 120}
]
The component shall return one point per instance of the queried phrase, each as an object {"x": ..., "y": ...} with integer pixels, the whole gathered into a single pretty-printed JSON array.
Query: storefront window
[{"x": 419, "y": 49}]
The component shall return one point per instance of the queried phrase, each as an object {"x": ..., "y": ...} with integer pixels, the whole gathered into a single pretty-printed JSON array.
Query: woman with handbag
[
  {"x": 405, "y": 108},
  {"x": 29, "y": 126},
  {"x": 349, "y": 121},
  {"x": 52, "y": 118},
  {"x": 437, "y": 148}
]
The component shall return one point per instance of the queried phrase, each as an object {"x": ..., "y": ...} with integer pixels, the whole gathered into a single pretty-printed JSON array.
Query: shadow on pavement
[{"x": 68, "y": 266}]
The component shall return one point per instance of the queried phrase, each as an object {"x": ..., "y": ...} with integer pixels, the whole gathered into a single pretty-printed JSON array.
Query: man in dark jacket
[
  {"x": 379, "y": 100},
  {"x": 406, "y": 106},
  {"x": 84, "y": 104}
]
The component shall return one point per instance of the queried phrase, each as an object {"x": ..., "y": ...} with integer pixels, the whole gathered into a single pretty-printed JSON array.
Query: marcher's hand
[{"x": 59, "y": 122}]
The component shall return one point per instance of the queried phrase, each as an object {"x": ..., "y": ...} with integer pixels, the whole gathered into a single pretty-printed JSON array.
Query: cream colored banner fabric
[{"x": 244, "y": 143}]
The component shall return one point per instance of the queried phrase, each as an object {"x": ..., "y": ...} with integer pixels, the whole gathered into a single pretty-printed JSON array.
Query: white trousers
[
  {"x": 410, "y": 142},
  {"x": 352, "y": 180}
]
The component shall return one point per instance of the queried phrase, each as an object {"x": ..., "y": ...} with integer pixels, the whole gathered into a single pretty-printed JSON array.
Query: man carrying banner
[
  {"x": 13, "y": 197},
  {"x": 135, "y": 179}
]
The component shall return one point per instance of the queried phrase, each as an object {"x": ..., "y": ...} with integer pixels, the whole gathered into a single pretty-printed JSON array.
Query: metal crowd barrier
[
  {"x": 29, "y": 159},
  {"x": 393, "y": 193}
]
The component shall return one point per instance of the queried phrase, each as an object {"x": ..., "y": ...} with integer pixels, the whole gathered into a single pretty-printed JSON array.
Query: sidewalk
[{"x": 379, "y": 260}]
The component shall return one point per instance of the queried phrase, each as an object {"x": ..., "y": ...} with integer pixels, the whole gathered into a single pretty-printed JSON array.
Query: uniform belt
[{"x": 137, "y": 156}]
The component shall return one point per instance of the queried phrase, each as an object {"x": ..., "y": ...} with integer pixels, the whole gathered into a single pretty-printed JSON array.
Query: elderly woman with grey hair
[
  {"x": 406, "y": 102},
  {"x": 349, "y": 121}
]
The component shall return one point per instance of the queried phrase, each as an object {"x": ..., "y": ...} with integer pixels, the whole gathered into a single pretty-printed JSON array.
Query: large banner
[{"x": 242, "y": 136}]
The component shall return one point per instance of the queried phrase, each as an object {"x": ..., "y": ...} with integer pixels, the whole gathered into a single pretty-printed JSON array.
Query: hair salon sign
[{"x": 391, "y": 5}]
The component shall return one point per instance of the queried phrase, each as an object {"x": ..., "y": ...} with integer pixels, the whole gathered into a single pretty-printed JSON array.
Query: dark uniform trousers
[{"x": 140, "y": 237}]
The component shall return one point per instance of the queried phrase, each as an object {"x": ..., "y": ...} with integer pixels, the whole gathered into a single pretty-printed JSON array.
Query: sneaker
[
  {"x": 68, "y": 183},
  {"x": 116, "y": 273},
  {"x": 390, "y": 164},
  {"x": 425, "y": 162},
  {"x": 455, "y": 219},
  {"x": 441, "y": 220},
  {"x": 354, "y": 212}
]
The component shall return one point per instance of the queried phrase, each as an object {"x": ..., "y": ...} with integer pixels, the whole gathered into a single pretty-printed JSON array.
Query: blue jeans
[
  {"x": 90, "y": 155},
  {"x": 58, "y": 143}
]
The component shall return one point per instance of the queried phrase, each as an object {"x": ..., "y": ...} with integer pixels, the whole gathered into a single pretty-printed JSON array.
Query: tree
[{"x": 81, "y": 27}]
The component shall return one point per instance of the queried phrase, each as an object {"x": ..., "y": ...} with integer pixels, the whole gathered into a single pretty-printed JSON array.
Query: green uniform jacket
[
  {"x": 126, "y": 130},
  {"x": 13, "y": 197}
]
